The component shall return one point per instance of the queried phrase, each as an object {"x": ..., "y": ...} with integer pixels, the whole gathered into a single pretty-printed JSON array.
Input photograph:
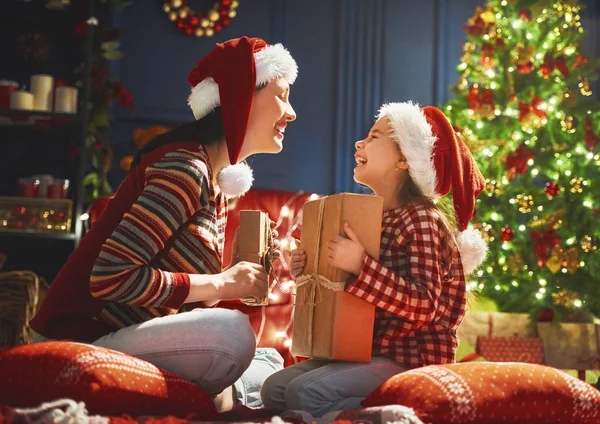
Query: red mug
[
  {"x": 29, "y": 187},
  {"x": 58, "y": 189}
]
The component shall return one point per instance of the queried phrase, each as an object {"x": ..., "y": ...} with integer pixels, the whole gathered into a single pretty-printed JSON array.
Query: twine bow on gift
[{"x": 314, "y": 282}]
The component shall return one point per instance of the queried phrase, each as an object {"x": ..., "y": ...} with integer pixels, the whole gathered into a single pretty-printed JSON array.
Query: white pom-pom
[
  {"x": 473, "y": 249},
  {"x": 235, "y": 180}
]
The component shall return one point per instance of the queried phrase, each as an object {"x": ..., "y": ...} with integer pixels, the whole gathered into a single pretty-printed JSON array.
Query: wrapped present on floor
[
  {"x": 254, "y": 245},
  {"x": 502, "y": 337},
  {"x": 328, "y": 322},
  {"x": 571, "y": 346}
]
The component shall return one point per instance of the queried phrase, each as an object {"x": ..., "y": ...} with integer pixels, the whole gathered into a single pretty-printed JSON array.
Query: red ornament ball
[
  {"x": 525, "y": 14},
  {"x": 552, "y": 189},
  {"x": 218, "y": 27},
  {"x": 507, "y": 234}
]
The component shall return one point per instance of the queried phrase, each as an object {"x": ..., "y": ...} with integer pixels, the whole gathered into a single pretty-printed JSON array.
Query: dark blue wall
[{"x": 352, "y": 56}]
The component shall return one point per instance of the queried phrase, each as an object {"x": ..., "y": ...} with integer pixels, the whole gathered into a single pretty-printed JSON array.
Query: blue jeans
[
  {"x": 319, "y": 386},
  {"x": 215, "y": 348}
]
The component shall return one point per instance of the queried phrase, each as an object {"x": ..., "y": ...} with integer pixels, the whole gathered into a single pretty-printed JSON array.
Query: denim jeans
[
  {"x": 320, "y": 387},
  {"x": 215, "y": 348}
]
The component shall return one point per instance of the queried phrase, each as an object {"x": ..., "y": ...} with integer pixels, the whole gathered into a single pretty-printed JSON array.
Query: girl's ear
[{"x": 402, "y": 164}]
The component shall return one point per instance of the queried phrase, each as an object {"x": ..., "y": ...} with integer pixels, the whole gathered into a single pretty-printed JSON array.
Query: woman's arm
[{"x": 172, "y": 195}]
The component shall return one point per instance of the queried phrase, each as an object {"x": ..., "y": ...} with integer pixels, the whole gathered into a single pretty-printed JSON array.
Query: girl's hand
[
  {"x": 297, "y": 262},
  {"x": 346, "y": 253}
]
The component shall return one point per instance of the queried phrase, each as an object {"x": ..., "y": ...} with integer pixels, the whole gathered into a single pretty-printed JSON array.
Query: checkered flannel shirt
[{"x": 418, "y": 287}]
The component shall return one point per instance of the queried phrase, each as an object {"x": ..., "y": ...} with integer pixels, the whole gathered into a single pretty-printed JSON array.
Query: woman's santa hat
[
  {"x": 440, "y": 162},
  {"x": 228, "y": 77}
]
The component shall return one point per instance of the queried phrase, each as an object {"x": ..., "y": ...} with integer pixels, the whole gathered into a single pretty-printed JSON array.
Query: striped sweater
[
  {"x": 175, "y": 228},
  {"x": 165, "y": 222}
]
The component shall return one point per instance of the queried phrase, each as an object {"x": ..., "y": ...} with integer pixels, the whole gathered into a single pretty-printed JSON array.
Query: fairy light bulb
[{"x": 285, "y": 211}]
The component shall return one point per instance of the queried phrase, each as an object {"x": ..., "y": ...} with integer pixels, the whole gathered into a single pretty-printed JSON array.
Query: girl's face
[
  {"x": 379, "y": 162},
  {"x": 270, "y": 114}
]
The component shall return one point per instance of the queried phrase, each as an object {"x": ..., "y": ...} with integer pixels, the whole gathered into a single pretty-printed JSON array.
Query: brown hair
[{"x": 410, "y": 193}]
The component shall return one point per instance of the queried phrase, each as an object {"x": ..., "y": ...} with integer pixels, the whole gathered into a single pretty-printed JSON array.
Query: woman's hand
[
  {"x": 346, "y": 253},
  {"x": 244, "y": 279}
]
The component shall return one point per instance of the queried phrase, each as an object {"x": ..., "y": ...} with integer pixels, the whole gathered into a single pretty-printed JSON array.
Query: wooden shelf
[
  {"x": 36, "y": 119},
  {"x": 36, "y": 235}
]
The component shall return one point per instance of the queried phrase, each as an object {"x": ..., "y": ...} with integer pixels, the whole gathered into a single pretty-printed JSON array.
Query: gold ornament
[
  {"x": 462, "y": 83},
  {"x": 232, "y": 14},
  {"x": 489, "y": 17},
  {"x": 587, "y": 244},
  {"x": 565, "y": 297},
  {"x": 235, "y": 4},
  {"x": 493, "y": 186},
  {"x": 166, "y": 8},
  {"x": 468, "y": 47},
  {"x": 576, "y": 185},
  {"x": 173, "y": 16},
  {"x": 524, "y": 54},
  {"x": 584, "y": 87},
  {"x": 515, "y": 263},
  {"x": 525, "y": 202},
  {"x": 560, "y": 258},
  {"x": 213, "y": 15},
  {"x": 199, "y": 32},
  {"x": 486, "y": 230},
  {"x": 209, "y": 32},
  {"x": 204, "y": 23},
  {"x": 553, "y": 219},
  {"x": 183, "y": 13},
  {"x": 569, "y": 124},
  {"x": 176, "y": 3}
]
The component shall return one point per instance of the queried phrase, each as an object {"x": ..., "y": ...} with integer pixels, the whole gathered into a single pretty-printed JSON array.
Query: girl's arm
[{"x": 414, "y": 297}]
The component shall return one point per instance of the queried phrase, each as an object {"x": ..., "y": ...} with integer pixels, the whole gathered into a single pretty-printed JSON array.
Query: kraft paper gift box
[
  {"x": 330, "y": 323},
  {"x": 571, "y": 346},
  {"x": 254, "y": 245}
]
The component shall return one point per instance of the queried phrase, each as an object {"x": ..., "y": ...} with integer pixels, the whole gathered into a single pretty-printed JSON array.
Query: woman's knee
[{"x": 226, "y": 329}]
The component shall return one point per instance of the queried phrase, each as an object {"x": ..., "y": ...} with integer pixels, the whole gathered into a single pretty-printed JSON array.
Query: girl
[
  {"x": 411, "y": 158},
  {"x": 156, "y": 251}
]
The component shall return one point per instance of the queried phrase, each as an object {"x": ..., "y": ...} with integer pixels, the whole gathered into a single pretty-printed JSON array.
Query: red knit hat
[
  {"x": 228, "y": 77},
  {"x": 440, "y": 162}
]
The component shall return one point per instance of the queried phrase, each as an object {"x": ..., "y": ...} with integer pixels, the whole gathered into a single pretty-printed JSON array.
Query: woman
[{"x": 141, "y": 279}]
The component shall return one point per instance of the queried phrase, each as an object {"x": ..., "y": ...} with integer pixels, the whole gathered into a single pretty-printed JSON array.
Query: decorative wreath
[{"x": 200, "y": 24}]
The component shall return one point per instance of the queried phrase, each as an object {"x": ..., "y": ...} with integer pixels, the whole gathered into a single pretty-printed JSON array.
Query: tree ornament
[
  {"x": 576, "y": 185},
  {"x": 587, "y": 244},
  {"x": 565, "y": 297},
  {"x": 507, "y": 234},
  {"x": 569, "y": 124},
  {"x": 552, "y": 189},
  {"x": 524, "y": 202}
]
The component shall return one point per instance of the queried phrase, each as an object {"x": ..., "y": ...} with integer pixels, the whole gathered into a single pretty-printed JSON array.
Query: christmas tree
[{"x": 523, "y": 103}]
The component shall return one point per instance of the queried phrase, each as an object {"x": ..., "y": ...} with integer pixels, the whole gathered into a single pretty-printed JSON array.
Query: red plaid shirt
[{"x": 418, "y": 287}]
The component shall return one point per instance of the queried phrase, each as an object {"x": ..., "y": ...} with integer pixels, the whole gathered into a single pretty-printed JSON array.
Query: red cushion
[
  {"x": 109, "y": 382},
  {"x": 488, "y": 392}
]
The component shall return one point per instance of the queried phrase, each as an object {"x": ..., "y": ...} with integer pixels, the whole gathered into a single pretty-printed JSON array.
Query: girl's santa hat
[
  {"x": 439, "y": 161},
  {"x": 228, "y": 77}
]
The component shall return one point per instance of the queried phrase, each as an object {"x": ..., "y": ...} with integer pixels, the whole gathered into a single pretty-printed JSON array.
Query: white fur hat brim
[
  {"x": 416, "y": 140},
  {"x": 270, "y": 63}
]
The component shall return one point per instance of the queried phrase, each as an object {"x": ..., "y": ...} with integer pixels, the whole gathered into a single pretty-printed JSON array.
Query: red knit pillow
[
  {"x": 109, "y": 382},
  {"x": 488, "y": 392}
]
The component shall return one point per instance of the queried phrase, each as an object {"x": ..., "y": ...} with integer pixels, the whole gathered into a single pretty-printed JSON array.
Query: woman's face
[
  {"x": 378, "y": 158},
  {"x": 270, "y": 114}
]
